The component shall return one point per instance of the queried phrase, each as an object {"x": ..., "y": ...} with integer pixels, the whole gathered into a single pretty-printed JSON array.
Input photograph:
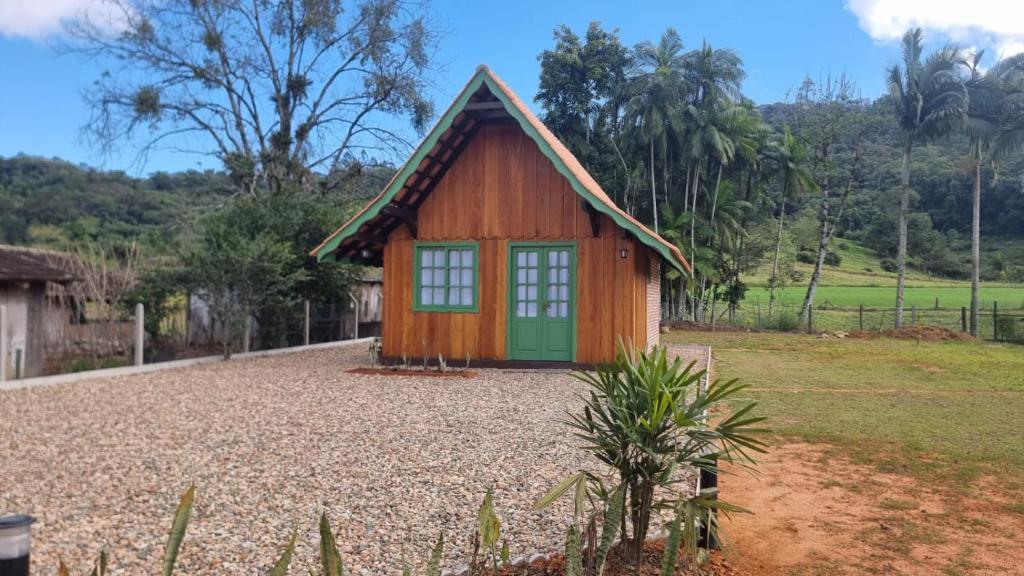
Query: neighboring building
[
  {"x": 498, "y": 246},
  {"x": 27, "y": 279}
]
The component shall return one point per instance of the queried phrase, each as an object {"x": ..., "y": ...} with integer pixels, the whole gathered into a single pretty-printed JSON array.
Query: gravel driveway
[{"x": 271, "y": 443}]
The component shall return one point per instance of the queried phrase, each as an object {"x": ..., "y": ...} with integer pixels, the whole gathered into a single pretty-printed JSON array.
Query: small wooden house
[{"x": 497, "y": 246}]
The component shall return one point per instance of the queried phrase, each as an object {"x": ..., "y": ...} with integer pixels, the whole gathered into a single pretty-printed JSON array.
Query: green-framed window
[{"x": 447, "y": 277}]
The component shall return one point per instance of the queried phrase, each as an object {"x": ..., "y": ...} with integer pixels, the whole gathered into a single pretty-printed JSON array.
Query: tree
[
  {"x": 983, "y": 115},
  {"x": 789, "y": 157},
  {"x": 577, "y": 80},
  {"x": 238, "y": 267},
  {"x": 273, "y": 88},
  {"x": 930, "y": 100},
  {"x": 827, "y": 117},
  {"x": 653, "y": 109}
]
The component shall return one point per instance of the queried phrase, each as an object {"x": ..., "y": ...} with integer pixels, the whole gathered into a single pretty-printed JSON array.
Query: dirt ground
[{"x": 816, "y": 512}]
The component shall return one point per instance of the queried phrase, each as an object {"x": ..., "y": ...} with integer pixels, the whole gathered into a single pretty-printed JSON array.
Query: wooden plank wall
[{"x": 503, "y": 189}]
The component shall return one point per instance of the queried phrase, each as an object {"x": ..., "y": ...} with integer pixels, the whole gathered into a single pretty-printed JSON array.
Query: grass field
[
  {"x": 859, "y": 280},
  {"x": 959, "y": 403}
]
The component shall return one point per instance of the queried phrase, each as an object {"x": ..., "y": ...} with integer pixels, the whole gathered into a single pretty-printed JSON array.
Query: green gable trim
[
  {"x": 482, "y": 77},
  {"x": 396, "y": 184}
]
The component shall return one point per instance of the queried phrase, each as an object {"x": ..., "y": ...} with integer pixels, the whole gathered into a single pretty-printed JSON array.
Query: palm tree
[
  {"x": 790, "y": 164},
  {"x": 930, "y": 99},
  {"x": 982, "y": 124},
  {"x": 652, "y": 106}
]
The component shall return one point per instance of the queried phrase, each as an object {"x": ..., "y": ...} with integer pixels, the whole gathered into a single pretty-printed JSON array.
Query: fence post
[
  {"x": 963, "y": 318},
  {"x": 758, "y": 314},
  {"x": 810, "y": 321},
  {"x": 861, "y": 317},
  {"x": 913, "y": 315},
  {"x": 936, "y": 302},
  {"x": 3, "y": 342},
  {"x": 995, "y": 320},
  {"x": 247, "y": 334},
  {"x": 305, "y": 325},
  {"x": 708, "y": 478},
  {"x": 140, "y": 332}
]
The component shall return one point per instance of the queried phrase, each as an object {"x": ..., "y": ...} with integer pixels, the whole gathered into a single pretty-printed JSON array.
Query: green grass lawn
[{"x": 923, "y": 407}]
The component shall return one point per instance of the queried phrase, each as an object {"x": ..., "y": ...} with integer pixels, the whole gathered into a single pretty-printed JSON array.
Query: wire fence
[{"x": 994, "y": 323}]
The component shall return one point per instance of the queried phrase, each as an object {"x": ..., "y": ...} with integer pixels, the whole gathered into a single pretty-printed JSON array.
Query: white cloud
[
  {"x": 39, "y": 19},
  {"x": 995, "y": 24}
]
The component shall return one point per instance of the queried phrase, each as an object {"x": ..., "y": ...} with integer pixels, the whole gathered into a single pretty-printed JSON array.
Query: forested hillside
[
  {"x": 53, "y": 203},
  {"x": 940, "y": 220}
]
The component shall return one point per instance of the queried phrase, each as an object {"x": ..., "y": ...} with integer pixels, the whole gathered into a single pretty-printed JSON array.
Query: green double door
[{"x": 542, "y": 302}]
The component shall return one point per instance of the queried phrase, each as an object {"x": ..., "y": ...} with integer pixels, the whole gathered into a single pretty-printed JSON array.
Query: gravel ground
[{"x": 271, "y": 443}]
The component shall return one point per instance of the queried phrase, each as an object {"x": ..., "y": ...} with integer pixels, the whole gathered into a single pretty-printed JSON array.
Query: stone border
[{"x": 129, "y": 370}]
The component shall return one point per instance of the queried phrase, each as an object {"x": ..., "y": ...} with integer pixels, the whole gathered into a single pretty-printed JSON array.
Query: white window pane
[
  {"x": 563, "y": 275},
  {"x": 552, "y": 275},
  {"x": 531, "y": 277},
  {"x": 521, "y": 276},
  {"x": 563, "y": 292},
  {"x": 453, "y": 277},
  {"x": 453, "y": 258},
  {"x": 453, "y": 296},
  {"x": 531, "y": 293},
  {"x": 563, "y": 258},
  {"x": 531, "y": 309},
  {"x": 521, "y": 310},
  {"x": 428, "y": 258},
  {"x": 520, "y": 259},
  {"x": 438, "y": 296},
  {"x": 467, "y": 296},
  {"x": 425, "y": 296},
  {"x": 563, "y": 310},
  {"x": 552, "y": 292},
  {"x": 467, "y": 258},
  {"x": 521, "y": 293},
  {"x": 439, "y": 257},
  {"x": 467, "y": 275},
  {"x": 438, "y": 277},
  {"x": 532, "y": 259},
  {"x": 552, "y": 258}
]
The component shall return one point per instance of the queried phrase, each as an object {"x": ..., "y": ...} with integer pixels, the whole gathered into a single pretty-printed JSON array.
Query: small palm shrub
[{"x": 645, "y": 417}]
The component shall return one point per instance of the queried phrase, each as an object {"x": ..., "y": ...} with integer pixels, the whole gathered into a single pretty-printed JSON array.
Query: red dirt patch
[
  {"x": 926, "y": 333},
  {"x": 821, "y": 514},
  {"x": 412, "y": 372}
]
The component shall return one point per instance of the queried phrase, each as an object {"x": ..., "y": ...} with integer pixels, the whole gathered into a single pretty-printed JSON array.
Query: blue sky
[{"x": 780, "y": 41}]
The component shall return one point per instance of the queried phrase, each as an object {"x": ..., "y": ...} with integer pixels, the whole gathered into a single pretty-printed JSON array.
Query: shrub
[
  {"x": 833, "y": 259},
  {"x": 889, "y": 265},
  {"x": 644, "y": 418},
  {"x": 806, "y": 256},
  {"x": 783, "y": 321}
]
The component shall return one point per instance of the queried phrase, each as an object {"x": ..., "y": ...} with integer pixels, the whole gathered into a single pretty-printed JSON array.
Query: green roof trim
[{"x": 483, "y": 76}]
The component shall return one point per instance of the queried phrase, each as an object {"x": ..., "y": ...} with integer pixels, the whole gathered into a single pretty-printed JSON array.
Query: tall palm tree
[
  {"x": 983, "y": 115},
  {"x": 930, "y": 100},
  {"x": 790, "y": 162},
  {"x": 653, "y": 108}
]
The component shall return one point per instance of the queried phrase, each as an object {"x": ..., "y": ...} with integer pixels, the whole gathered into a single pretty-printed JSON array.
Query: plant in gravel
[
  {"x": 406, "y": 362},
  {"x": 375, "y": 350},
  {"x": 330, "y": 556},
  {"x": 442, "y": 366},
  {"x": 646, "y": 418},
  {"x": 486, "y": 536},
  {"x": 468, "y": 358}
]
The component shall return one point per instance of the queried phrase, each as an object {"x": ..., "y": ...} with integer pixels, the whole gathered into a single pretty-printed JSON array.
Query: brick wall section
[{"x": 654, "y": 302}]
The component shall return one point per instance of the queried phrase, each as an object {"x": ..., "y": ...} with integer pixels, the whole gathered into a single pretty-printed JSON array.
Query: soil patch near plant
[
  {"x": 412, "y": 372},
  {"x": 818, "y": 512}
]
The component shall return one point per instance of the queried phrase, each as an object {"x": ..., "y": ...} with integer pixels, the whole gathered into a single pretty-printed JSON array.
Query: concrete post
[
  {"x": 305, "y": 325},
  {"x": 140, "y": 332},
  {"x": 3, "y": 342}
]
